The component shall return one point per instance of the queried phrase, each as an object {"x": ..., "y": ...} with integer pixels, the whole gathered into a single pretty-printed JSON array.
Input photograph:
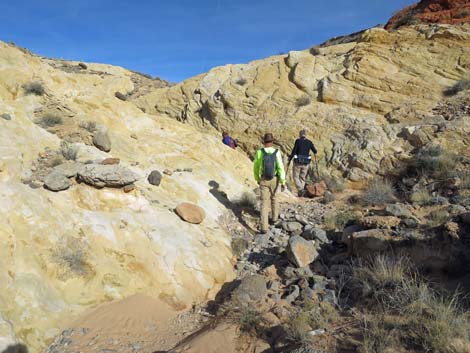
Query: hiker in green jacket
[{"x": 269, "y": 173}]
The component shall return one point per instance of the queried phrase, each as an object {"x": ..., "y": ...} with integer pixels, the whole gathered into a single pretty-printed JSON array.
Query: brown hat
[{"x": 268, "y": 138}]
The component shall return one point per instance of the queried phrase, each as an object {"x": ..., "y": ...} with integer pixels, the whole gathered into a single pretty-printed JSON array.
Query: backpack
[{"x": 269, "y": 164}]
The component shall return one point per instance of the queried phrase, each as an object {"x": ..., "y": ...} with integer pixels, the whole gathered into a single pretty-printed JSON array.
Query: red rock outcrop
[{"x": 432, "y": 11}]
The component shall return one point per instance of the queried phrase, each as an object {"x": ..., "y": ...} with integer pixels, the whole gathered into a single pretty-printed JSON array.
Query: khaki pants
[
  {"x": 300, "y": 175},
  {"x": 268, "y": 189}
]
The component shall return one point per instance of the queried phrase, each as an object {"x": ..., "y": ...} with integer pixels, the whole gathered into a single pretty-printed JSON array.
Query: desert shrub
[
  {"x": 35, "y": 88},
  {"x": 72, "y": 255},
  {"x": 334, "y": 184},
  {"x": 302, "y": 101},
  {"x": 241, "y": 81},
  {"x": 421, "y": 197},
  {"x": 460, "y": 86},
  {"x": 378, "y": 192},
  {"x": 69, "y": 150},
  {"x": 49, "y": 120},
  {"x": 249, "y": 320},
  {"x": 247, "y": 200},
  {"x": 464, "y": 180},
  {"x": 315, "y": 51},
  {"x": 438, "y": 217},
  {"x": 239, "y": 245},
  {"x": 433, "y": 162},
  {"x": 377, "y": 336},
  {"x": 338, "y": 220},
  {"x": 90, "y": 126}
]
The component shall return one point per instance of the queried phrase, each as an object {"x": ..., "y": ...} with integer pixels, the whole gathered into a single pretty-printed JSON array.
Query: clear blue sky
[{"x": 177, "y": 39}]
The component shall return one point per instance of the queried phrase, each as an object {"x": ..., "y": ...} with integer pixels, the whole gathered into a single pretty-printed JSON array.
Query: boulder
[
  {"x": 398, "y": 210},
  {"x": 314, "y": 233},
  {"x": 190, "y": 213},
  {"x": 155, "y": 178},
  {"x": 69, "y": 169},
  {"x": 301, "y": 252},
  {"x": 251, "y": 289},
  {"x": 369, "y": 242},
  {"x": 56, "y": 181},
  {"x": 99, "y": 175},
  {"x": 316, "y": 190},
  {"x": 102, "y": 141},
  {"x": 292, "y": 227},
  {"x": 5, "y": 116},
  {"x": 110, "y": 161},
  {"x": 120, "y": 96}
]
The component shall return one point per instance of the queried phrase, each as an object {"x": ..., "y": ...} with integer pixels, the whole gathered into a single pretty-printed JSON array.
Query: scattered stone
[
  {"x": 168, "y": 172},
  {"x": 314, "y": 233},
  {"x": 293, "y": 295},
  {"x": 128, "y": 188},
  {"x": 386, "y": 222},
  {"x": 110, "y": 161},
  {"x": 82, "y": 66},
  {"x": 316, "y": 190},
  {"x": 292, "y": 227},
  {"x": 102, "y": 141},
  {"x": 330, "y": 297},
  {"x": 315, "y": 333},
  {"x": 190, "y": 213},
  {"x": 99, "y": 175},
  {"x": 5, "y": 116},
  {"x": 57, "y": 181},
  {"x": 398, "y": 210},
  {"x": 155, "y": 178},
  {"x": 301, "y": 252},
  {"x": 251, "y": 289},
  {"x": 69, "y": 169},
  {"x": 188, "y": 170},
  {"x": 120, "y": 96},
  {"x": 134, "y": 136},
  {"x": 301, "y": 219}
]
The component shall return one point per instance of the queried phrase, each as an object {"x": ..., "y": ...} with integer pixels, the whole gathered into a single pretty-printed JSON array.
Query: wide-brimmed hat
[{"x": 268, "y": 138}]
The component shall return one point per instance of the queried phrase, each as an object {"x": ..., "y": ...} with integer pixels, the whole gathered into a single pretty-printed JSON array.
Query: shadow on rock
[{"x": 16, "y": 348}]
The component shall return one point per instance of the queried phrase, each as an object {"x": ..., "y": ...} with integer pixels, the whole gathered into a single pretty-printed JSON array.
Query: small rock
[
  {"x": 292, "y": 227},
  {"x": 317, "y": 332},
  {"x": 5, "y": 116},
  {"x": 314, "y": 233},
  {"x": 316, "y": 190},
  {"x": 439, "y": 200},
  {"x": 168, "y": 172},
  {"x": 155, "y": 178},
  {"x": 190, "y": 213},
  {"x": 301, "y": 220},
  {"x": 110, "y": 161},
  {"x": 188, "y": 170},
  {"x": 251, "y": 289},
  {"x": 294, "y": 293},
  {"x": 134, "y": 136},
  {"x": 56, "y": 181},
  {"x": 128, "y": 188},
  {"x": 330, "y": 297},
  {"x": 99, "y": 175},
  {"x": 398, "y": 210},
  {"x": 411, "y": 222},
  {"x": 82, "y": 66},
  {"x": 300, "y": 251},
  {"x": 102, "y": 141},
  {"x": 69, "y": 169},
  {"x": 120, "y": 96}
]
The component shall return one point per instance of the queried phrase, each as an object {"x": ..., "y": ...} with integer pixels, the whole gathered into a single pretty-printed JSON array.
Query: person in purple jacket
[{"x": 227, "y": 140}]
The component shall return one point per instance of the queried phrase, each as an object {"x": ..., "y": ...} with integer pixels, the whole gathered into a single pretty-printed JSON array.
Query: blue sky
[{"x": 177, "y": 39}]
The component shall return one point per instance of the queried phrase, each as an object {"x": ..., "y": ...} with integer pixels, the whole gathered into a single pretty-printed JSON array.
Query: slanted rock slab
[
  {"x": 57, "y": 181},
  {"x": 69, "y": 169},
  {"x": 190, "y": 213},
  {"x": 99, "y": 175},
  {"x": 102, "y": 141},
  {"x": 301, "y": 252}
]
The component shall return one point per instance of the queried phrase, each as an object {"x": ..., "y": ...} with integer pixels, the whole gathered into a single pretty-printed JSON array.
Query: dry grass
[
  {"x": 434, "y": 162},
  {"x": 378, "y": 192},
  {"x": 334, "y": 184},
  {"x": 241, "y": 81},
  {"x": 71, "y": 255},
  {"x": 422, "y": 197},
  {"x": 247, "y": 200},
  {"x": 437, "y": 218},
  {"x": 303, "y": 101},
  {"x": 460, "y": 86},
  {"x": 35, "y": 88},
  {"x": 49, "y": 120}
]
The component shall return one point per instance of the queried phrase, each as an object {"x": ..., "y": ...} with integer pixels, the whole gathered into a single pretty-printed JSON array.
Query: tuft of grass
[
  {"x": 437, "y": 218},
  {"x": 35, "y": 88},
  {"x": 378, "y": 192},
  {"x": 334, "y": 184},
  {"x": 69, "y": 150},
  {"x": 49, "y": 120},
  {"x": 338, "y": 220},
  {"x": 434, "y": 162},
  {"x": 241, "y": 81},
  {"x": 239, "y": 245},
  {"x": 422, "y": 197},
  {"x": 303, "y": 101},
  {"x": 90, "y": 126},
  {"x": 247, "y": 200},
  {"x": 249, "y": 320},
  {"x": 464, "y": 180},
  {"x": 72, "y": 255},
  {"x": 460, "y": 86}
]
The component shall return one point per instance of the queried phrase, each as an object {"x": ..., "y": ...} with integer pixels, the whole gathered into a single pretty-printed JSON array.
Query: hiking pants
[
  {"x": 268, "y": 189},
  {"x": 300, "y": 175}
]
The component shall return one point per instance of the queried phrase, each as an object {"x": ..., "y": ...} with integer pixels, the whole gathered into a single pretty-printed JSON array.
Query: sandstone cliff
[
  {"x": 355, "y": 98},
  {"x": 61, "y": 253}
]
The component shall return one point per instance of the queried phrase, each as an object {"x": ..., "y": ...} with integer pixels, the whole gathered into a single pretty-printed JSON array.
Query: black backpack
[{"x": 269, "y": 165}]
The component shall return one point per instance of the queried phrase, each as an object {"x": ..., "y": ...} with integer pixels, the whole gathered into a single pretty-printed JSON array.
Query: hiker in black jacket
[{"x": 301, "y": 156}]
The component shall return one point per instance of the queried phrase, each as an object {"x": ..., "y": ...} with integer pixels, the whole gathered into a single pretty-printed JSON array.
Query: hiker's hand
[{"x": 283, "y": 188}]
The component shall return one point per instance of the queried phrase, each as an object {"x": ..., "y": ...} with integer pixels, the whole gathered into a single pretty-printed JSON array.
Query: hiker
[
  {"x": 301, "y": 155},
  {"x": 269, "y": 173},
  {"x": 227, "y": 140}
]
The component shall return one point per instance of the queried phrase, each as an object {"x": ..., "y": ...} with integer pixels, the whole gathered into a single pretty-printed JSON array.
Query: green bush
[
  {"x": 438, "y": 217},
  {"x": 460, "y": 86},
  {"x": 49, "y": 120},
  {"x": 422, "y": 197},
  {"x": 378, "y": 192},
  {"x": 35, "y": 88},
  {"x": 434, "y": 162}
]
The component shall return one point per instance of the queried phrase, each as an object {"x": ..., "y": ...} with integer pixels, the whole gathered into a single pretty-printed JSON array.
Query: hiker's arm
[
  {"x": 294, "y": 150},
  {"x": 280, "y": 172},
  {"x": 257, "y": 166},
  {"x": 312, "y": 147}
]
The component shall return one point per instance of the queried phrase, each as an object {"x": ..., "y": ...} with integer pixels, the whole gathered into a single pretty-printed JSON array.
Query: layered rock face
[
  {"x": 63, "y": 252},
  {"x": 355, "y": 98},
  {"x": 433, "y": 11}
]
